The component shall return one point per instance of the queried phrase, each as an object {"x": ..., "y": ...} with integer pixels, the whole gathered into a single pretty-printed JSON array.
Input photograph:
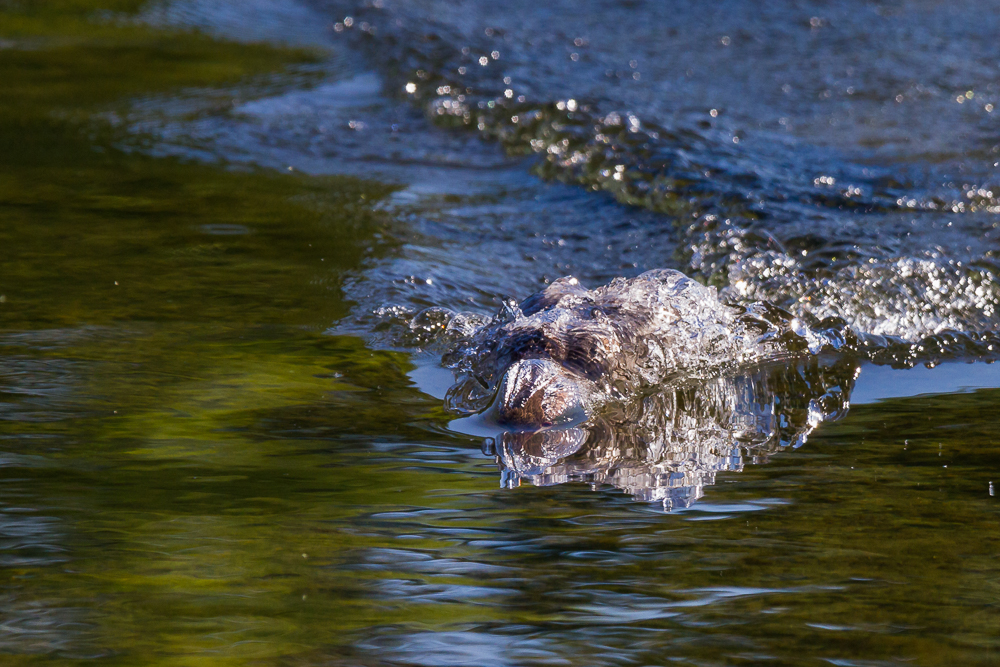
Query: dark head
[{"x": 540, "y": 393}]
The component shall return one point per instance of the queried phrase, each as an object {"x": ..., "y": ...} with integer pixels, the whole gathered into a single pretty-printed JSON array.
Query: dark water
[{"x": 221, "y": 441}]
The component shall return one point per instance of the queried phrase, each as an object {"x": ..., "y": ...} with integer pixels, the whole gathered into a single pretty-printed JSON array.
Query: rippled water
[
  {"x": 225, "y": 433},
  {"x": 895, "y": 234}
]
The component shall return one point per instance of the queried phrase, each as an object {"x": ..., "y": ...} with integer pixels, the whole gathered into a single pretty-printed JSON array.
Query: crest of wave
[{"x": 909, "y": 297}]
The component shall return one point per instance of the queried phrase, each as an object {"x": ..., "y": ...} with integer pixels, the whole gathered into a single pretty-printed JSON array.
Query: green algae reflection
[{"x": 154, "y": 316}]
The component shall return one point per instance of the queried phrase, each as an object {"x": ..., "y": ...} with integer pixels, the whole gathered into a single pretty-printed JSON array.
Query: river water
[{"x": 223, "y": 427}]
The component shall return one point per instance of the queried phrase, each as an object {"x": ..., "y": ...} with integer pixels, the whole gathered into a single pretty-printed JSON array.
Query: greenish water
[{"x": 194, "y": 471}]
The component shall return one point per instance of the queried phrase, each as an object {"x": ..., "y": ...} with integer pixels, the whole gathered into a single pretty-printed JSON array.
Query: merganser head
[{"x": 540, "y": 393}]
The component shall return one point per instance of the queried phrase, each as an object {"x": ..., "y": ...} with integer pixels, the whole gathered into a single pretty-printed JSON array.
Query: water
[{"x": 222, "y": 442}]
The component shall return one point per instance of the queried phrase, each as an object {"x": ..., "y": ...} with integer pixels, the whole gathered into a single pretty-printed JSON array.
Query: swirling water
[{"x": 230, "y": 254}]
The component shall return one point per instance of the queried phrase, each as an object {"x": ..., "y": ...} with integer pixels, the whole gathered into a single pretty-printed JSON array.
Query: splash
[
  {"x": 567, "y": 350},
  {"x": 563, "y": 354},
  {"x": 654, "y": 385}
]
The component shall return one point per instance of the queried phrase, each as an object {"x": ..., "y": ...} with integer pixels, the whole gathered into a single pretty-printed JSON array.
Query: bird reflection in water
[{"x": 668, "y": 446}]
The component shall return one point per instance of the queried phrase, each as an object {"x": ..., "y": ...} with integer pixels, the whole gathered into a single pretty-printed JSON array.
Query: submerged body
[{"x": 563, "y": 352}]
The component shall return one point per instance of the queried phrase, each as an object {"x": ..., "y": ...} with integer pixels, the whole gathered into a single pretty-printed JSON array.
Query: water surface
[{"x": 217, "y": 448}]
